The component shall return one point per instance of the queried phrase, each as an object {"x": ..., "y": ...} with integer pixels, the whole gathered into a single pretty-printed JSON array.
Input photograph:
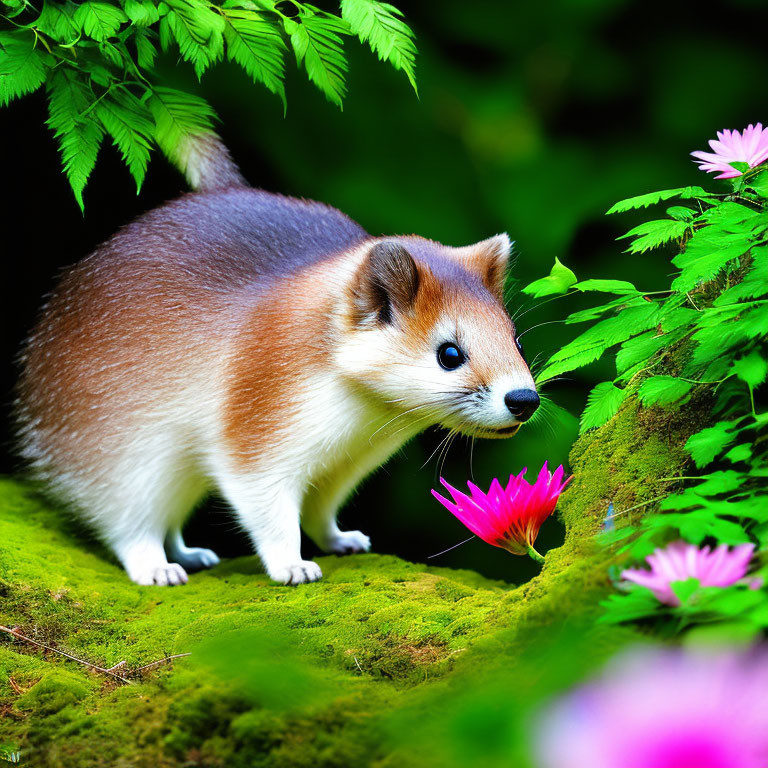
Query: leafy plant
[
  {"x": 705, "y": 336},
  {"x": 96, "y": 60}
]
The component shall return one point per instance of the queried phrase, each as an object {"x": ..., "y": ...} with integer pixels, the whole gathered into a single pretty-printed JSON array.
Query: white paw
[
  {"x": 348, "y": 542},
  {"x": 298, "y": 573},
  {"x": 169, "y": 575},
  {"x": 197, "y": 558}
]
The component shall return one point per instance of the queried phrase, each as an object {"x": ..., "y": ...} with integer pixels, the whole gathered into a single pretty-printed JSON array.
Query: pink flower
[
  {"x": 680, "y": 561},
  {"x": 750, "y": 147},
  {"x": 508, "y": 517},
  {"x": 662, "y": 708}
]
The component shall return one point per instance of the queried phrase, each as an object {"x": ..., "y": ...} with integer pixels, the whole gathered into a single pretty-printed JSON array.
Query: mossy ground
[{"x": 381, "y": 663}]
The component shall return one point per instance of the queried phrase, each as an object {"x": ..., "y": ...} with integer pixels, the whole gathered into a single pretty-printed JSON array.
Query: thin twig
[
  {"x": 26, "y": 639},
  {"x": 429, "y": 557},
  {"x": 637, "y": 506},
  {"x": 157, "y": 663}
]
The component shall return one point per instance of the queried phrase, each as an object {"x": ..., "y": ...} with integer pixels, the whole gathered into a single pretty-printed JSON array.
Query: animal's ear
[
  {"x": 490, "y": 258},
  {"x": 386, "y": 284}
]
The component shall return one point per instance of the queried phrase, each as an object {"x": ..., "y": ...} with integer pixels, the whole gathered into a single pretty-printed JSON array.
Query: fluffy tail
[{"x": 207, "y": 164}]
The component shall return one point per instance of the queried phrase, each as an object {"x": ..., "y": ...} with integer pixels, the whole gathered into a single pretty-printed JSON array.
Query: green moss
[
  {"x": 56, "y": 689},
  {"x": 336, "y": 673}
]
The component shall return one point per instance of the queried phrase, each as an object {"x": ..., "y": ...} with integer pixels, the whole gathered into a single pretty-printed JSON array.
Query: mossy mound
[{"x": 382, "y": 663}]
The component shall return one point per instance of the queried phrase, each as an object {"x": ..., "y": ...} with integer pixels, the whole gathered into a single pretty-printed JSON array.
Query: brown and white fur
[{"x": 262, "y": 346}]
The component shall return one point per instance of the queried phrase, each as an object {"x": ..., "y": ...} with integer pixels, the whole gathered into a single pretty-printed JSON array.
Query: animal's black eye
[
  {"x": 450, "y": 356},
  {"x": 519, "y": 347}
]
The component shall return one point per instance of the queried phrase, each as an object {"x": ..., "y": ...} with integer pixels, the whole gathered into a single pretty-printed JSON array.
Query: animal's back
[
  {"x": 140, "y": 329},
  {"x": 225, "y": 238}
]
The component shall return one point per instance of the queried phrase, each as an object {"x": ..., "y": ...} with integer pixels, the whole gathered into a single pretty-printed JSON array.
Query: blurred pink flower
[
  {"x": 680, "y": 561},
  {"x": 662, "y": 708},
  {"x": 508, "y": 517},
  {"x": 750, "y": 147}
]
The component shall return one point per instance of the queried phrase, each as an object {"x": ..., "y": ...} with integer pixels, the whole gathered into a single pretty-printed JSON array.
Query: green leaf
[
  {"x": 706, "y": 253},
  {"x": 79, "y": 134},
  {"x": 145, "y": 49},
  {"x": 607, "y": 286},
  {"x": 740, "y": 453},
  {"x": 603, "y": 404},
  {"x": 663, "y": 390},
  {"x": 179, "y": 116},
  {"x": 55, "y": 20},
  {"x": 141, "y": 12},
  {"x": 754, "y": 283},
  {"x": 23, "y": 67},
  {"x": 593, "y": 313},
  {"x": 751, "y": 369},
  {"x": 197, "y": 30},
  {"x": 127, "y": 121},
  {"x": 256, "y": 45},
  {"x": 705, "y": 446},
  {"x": 559, "y": 280},
  {"x": 643, "y": 201},
  {"x": 317, "y": 43},
  {"x": 652, "y": 234},
  {"x": 717, "y": 337},
  {"x": 636, "y": 604},
  {"x": 760, "y": 184},
  {"x": 685, "y": 590},
  {"x": 98, "y": 20},
  {"x": 723, "y": 481},
  {"x": 379, "y": 25},
  {"x": 681, "y": 213},
  {"x": 639, "y": 349},
  {"x": 591, "y": 344},
  {"x": 696, "y": 525},
  {"x": 678, "y": 317}
]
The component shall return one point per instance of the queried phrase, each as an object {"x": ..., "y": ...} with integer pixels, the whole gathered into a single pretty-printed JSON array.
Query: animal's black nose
[{"x": 522, "y": 403}]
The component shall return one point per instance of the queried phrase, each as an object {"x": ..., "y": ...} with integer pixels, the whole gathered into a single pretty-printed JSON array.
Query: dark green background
[{"x": 533, "y": 118}]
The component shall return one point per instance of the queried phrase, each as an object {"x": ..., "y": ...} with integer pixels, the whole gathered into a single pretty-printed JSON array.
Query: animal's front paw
[
  {"x": 297, "y": 573},
  {"x": 348, "y": 543},
  {"x": 168, "y": 575},
  {"x": 197, "y": 558}
]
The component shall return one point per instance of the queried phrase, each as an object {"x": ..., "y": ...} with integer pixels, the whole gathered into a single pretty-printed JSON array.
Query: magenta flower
[
  {"x": 508, "y": 517},
  {"x": 680, "y": 561},
  {"x": 750, "y": 147},
  {"x": 654, "y": 708}
]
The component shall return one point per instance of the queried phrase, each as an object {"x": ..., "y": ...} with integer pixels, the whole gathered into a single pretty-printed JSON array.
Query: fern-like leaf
[
  {"x": 141, "y": 12},
  {"x": 55, "y": 20},
  {"x": 178, "y": 116},
  {"x": 381, "y": 26},
  {"x": 643, "y": 201},
  {"x": 23, "y": 67},
  {"x": 256, "y": 45},
  {"x": 663, "y": 390},
  {"x": 145, "y": 48},
  {"x": 128, "y": 122},
  {"x": 79, "y": 134},
  {"x": 198, "y": 31},
  {"x": 603, "y": 404},
  {"x": 99, "y": 21},
  {"x": 652, "y": 234},
  {"x": 317, "y": 43}
]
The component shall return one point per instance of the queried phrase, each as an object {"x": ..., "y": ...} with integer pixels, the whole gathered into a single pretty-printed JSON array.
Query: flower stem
[{"x": 535, "y": 555}]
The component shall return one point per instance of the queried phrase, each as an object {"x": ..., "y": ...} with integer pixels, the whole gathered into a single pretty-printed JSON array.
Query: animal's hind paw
[
  {"x": 297, "y": 573},
  {"x": 169, "y": 575},
  {"x": 348, "y": 543},
  {"x": 196, "y": 559}
]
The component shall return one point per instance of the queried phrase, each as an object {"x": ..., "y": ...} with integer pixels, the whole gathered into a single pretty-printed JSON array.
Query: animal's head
[{"x": 427, "y": 332}]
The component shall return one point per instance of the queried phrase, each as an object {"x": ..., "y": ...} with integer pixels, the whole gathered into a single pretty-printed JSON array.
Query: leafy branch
[
  {"x": 96, "y": 60},
  {"x": 705, "y": 336}
]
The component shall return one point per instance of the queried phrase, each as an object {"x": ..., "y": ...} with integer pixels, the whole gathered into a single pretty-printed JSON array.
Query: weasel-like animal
[{"x": 265, "y": 347}]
